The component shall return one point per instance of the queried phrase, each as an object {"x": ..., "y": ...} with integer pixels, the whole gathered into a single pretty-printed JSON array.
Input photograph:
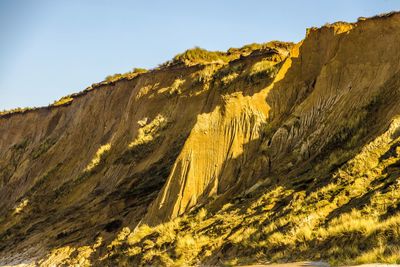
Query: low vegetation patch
[
  {"x": 15, "y": 110},
  {"x": 101, "y": 152},
  {"x": 149, "y": 131},
  {"x": 127, "y": 75},
  {"x": 63, "y": 101},
  {"x": 199, "y": 55},
  {"x": 353, "y": 218},
  {"x": 21, "y": 205}
]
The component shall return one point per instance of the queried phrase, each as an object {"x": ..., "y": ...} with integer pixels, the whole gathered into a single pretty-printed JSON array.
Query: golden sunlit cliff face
[{"x": 270, "y": 153}]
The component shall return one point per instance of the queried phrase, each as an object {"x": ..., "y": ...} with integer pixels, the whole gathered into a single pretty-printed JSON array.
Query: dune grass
[
  {"x": 127, "y": 75},
  {"x": 353, "y": 218}
]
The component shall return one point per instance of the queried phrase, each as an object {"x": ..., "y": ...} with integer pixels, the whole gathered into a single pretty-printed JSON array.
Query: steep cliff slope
[{"x": 265, "y": 153}]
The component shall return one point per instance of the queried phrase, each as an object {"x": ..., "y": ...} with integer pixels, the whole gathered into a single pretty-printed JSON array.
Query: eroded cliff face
[
  {"x": 342, "y": 86},
  {"x": 323, "y": 97},
  {"x": 279, "y": 122},
  {"x": 83, "y": 170},
  {"x": 219, "y": 145}
]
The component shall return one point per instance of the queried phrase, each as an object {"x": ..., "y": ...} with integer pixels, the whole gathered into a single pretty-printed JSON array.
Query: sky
[{"x": 52, "y": 48}]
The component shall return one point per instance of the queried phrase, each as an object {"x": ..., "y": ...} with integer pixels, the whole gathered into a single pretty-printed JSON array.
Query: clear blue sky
[{"x": 52, "y": 48}]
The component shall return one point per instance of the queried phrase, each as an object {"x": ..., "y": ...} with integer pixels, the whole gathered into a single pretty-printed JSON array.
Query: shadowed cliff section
[{"x": 248, "y": 156}]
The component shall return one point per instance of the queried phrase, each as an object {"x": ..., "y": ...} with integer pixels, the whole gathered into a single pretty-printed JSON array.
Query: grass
[
  {"x": 21, "y": 205},
  {"x": 190, "y": 57},
  {"x": 101, "y": 152},
  {"x": 176, "y": 86},
  {"x": 353, "y": 218},
  {"x": 199, "y": 55},
  {"x": 149, "y": 135},
  {"x": 150, "y": 131},
  {"x": 43, "y": 148},
  {"x": 21, "y": 145},
  {"x": 249, "y": 48},
  {"x": 202, "y": 56},
  {"x": 127, "y": 75},
  {"x": 15, "y": 110},
  {"x": 261, "y": 66},
  {"x": 66, "y": 100},
  {"x": 168, "y": 244},
  {"x": 174, "y": 89},
  {"x": 261, "y": 70},
  {"x": 254, "y": 71}
]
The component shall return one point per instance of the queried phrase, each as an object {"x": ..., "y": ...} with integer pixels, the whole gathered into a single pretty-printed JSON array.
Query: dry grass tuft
[
  {"x": 150, "y": 131},
  {"x": 101, "y": 152}
]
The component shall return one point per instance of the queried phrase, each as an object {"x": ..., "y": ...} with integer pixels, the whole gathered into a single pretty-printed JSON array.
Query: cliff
[{"x": 266, "y": 153}]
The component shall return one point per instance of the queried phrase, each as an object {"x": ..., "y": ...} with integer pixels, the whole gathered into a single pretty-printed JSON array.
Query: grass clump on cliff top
[
  {"x": 199, "y": 55},
  {"x": 15, "y": 110},
  {"x": 127, "y": 75},
  {"x": 63, "y": 101},
  {"x": 247, "y": 49}
]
